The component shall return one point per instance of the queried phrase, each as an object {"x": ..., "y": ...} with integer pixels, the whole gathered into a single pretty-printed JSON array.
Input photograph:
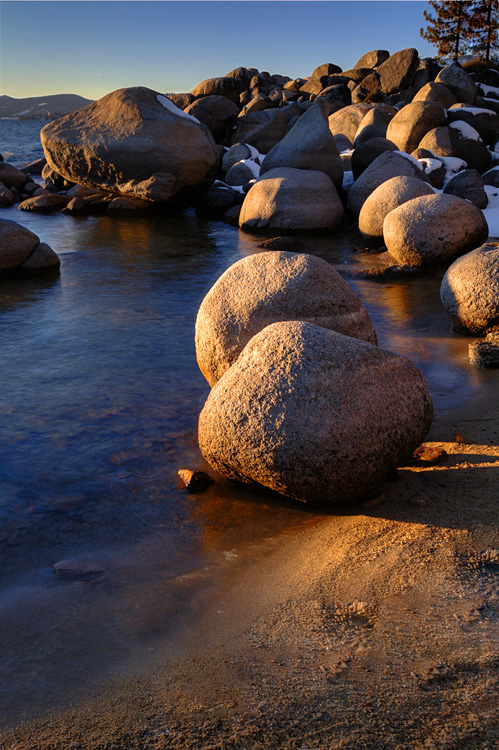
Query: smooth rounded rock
[
  {"x": 290, "y": 199},
  {"x": 388, "y": 164},
  {"x": 313, "y": 414},
  {"x": 411, "y": 124},
  {"x": 432, "y": 229},
  {"x": 470, "y": 291},
  {"x": 16, "y": 245},
  {"x": 388, "y": 196},
  {"x": 269, "y": 287},
  {"x": 459, "y": 82}
]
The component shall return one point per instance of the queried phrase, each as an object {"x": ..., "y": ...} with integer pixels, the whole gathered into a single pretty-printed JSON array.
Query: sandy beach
[{"x": 376, "y": 628}]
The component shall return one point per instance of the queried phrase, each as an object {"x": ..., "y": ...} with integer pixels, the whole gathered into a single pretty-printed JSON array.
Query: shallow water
[{"x": 99, "y": 399}]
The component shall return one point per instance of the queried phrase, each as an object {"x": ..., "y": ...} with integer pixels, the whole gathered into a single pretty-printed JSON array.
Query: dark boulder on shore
[
  {"x": 135, "y": 142},
  {"x": 22, "y": 254}
]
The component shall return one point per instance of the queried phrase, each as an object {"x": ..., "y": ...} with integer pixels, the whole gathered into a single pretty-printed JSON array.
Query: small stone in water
[
  {"x": 77, "y": 568},
  {"x": 195, "y": 481},
  {"x": 283, "y": 243}
]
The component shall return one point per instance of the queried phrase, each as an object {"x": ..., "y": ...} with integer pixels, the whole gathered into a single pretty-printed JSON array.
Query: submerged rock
[
  {"x": 268, "y": 287},
  {"x": 470, "y": 291},
  {"x": 133, "y": 141},
  {"x": 433, "y": 228},
  {"x": 313, "y": 414}
]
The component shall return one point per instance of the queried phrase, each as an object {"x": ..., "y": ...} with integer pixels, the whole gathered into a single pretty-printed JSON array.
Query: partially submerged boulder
[
  {"x": 470, "y": 291},
  {"x": 133, "y": 141},
  {"x": 432, "y": 229},
  {"x": 388, "y": 196},
  {"x": 313, "y": 414},
  {"x": 290, "y": 200},
  {"x": 269, "y": 287},
  {"x": 22, "y": 253}
]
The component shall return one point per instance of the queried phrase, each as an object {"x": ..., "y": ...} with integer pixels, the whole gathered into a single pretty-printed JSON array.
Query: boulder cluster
[
  {"x": 22, "y": 255},
  {"x": 303, "y": 402}
]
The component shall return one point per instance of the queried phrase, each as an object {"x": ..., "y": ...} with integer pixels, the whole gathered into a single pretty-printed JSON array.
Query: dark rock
[
  {"x": 194, "y": 481},
  {"x": 484, "y": 354},
  {"x": 77, "y": 569},
  {"x": 491, "y": 177},
  {"x": 326, "y": 69},
  {"x": 124, "y": 206},
  {"x": 34, "y": 167},
  {"x": 217, "y": 200},
  {"x": 366, "y": 153},
  {"x": 227, "y": 86},
  {"x": 287, "y": 244},
  {"x": 231, "y": 216},
  {"x": 372, "y": 59},
  {"x": 11, "y": 177},
  {"x": 16, "y": 245},
  {"x": 260, "y": 129},
  {"x": 468, "y": 184},
  {"x": 459, "y": 82},
  {"x": 485, "y": 123},
  {"x": 7, "y": 197},
  {"x": 44, "y": 203},
  {"x": 181, "y": 100},
  {"x": 338, "y": 96},
  {"x": 236, "y": 153},
  {"x": 216, "y": 112},
  {"x": 381, "y": 273},
  {"x": 42, "y": 260},
  {"x": 398, "y": 71}
]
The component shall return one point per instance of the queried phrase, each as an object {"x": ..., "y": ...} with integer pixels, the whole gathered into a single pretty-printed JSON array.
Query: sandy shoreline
[{"x": 375, "y": 629}]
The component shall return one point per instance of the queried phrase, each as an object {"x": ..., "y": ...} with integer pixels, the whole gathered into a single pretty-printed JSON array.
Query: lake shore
[{"x": 370, "y": 629}]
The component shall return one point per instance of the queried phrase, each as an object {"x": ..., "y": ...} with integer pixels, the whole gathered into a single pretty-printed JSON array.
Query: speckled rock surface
[
  {"x": 433, "y": 228},
  {"x": 290, "y": 200},
  {"x": 313, "y": 414},
  {"x": 388, "y": 196},
  {"x": 470, "y": 291},
  {"x": 266, "y": 288}
]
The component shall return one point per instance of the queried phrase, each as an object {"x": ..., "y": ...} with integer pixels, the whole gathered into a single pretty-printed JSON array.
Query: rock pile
[{"x": 296, "y": 405}]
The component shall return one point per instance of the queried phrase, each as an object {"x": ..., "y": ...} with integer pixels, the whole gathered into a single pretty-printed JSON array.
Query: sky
[{"x": 92, "y": 47}]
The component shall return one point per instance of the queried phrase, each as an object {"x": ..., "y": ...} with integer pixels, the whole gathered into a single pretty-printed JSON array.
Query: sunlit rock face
[
  {"x": 313, "y": 414},
  {"x": 470, "y": 291},
  {"x": 269, "y": 287},
  {"x": 133, "y": 141},
  {"x": 433, "y": 228}
]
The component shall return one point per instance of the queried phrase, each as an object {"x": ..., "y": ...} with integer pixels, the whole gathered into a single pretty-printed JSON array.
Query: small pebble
[{"x": 195, "y": 481}]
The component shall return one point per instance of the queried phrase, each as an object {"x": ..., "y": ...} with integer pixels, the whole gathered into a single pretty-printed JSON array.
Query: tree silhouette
[
  {"x": 485, "y": 26},
  {"x": 451, "y": 29}
]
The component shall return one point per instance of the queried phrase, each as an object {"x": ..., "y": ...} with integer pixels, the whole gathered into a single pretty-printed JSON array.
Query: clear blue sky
[{"x": 94, "y": 47}]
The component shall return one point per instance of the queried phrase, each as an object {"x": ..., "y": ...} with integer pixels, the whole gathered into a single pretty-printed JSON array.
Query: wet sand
[{"x": 377, "y": 628}]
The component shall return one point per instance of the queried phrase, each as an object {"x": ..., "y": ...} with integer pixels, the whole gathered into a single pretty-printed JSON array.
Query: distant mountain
[{"x": 40, "y": 107}]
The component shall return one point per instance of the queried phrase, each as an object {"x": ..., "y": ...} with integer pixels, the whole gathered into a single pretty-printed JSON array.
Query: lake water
[{"x": 99, "y": 399}]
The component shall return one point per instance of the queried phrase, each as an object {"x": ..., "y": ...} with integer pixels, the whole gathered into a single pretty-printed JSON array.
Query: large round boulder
[
  {"x": 388, "y": 164},
  {"x": 436, "y": 92},
  {"x": 372, "y": 59},
  {"x": 269, "y": 287},
  {"x": 290, "y": 200},
  {"x": 260, "y": 129},
  {"x": 373, "y": 125},
  {"x": 133, "y": 141},
  {"x": 313, "y": 414},
  {"x": 388, "y": 196},
  {"x": 459, "y": 82},
  {"x": 228, "y": 86},
  {"x": 432, "y": 229},
  {"x": 470, "y": 291},
  {"x": 346, "y": 121},
  {"x": 398, "y": 71},
  {"x": 308, "y": 145},
  {"x": 412, "y": 122}
]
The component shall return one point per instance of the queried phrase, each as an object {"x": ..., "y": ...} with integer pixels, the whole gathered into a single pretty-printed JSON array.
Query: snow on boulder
[
  {"x": 433, "y": 228},
  {"x": 308, "y": 145},
  {"x": 313, "y": 414},
  {"x": 133, "y": 141},
  {"x": 470, "y": 291},
  {"x": 268, "y": 287}
]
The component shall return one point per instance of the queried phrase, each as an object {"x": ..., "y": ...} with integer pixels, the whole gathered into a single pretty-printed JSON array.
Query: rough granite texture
[
  {"x": 412, "y": 122},
  {"x": 130, "y": 143},
  {"x": 470, "y": 291},
  {"x": 388, "y": 196},
  {"x": 433, "y": 228},
  {"x": 308, "y": 145},
  {"x": 290, "y": 200},
  {"x": 314, "y": 414},
  {"x": 269, "y": 287}
]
